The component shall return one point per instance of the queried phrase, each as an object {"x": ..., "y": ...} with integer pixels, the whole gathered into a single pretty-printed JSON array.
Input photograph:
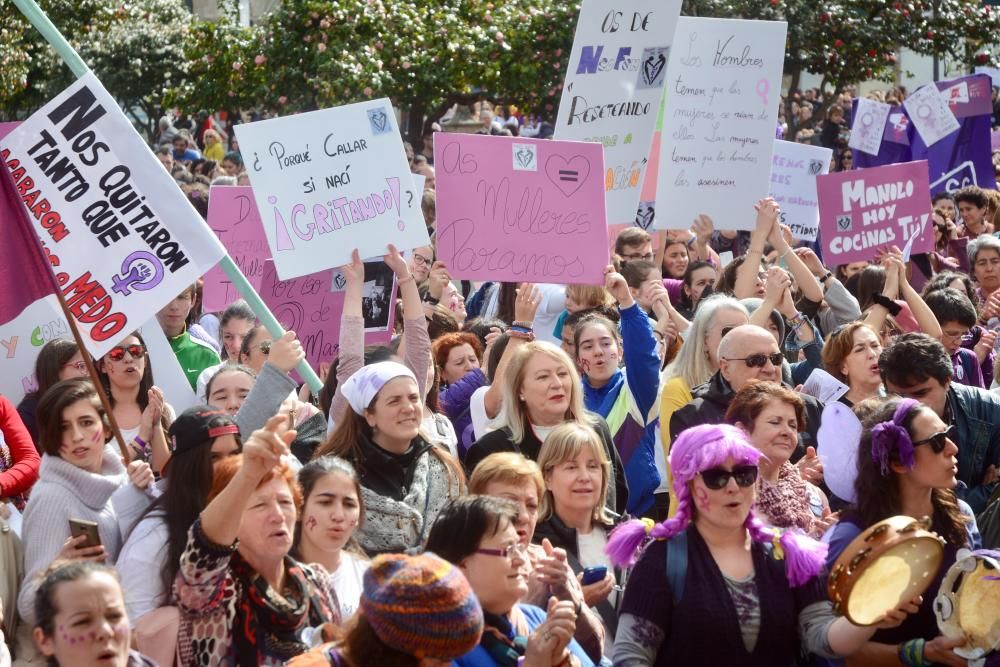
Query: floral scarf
[{"x": 786, "y": 504}]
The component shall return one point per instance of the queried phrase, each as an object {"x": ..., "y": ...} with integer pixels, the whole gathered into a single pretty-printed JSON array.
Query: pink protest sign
[
  {"x": 865, "y": 210},
  {"x": 517, "y": 209},
  {"x": 311, "y": 306},
  {"x": 233, "y": 216}
]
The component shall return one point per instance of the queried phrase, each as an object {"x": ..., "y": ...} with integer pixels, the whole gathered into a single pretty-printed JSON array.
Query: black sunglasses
[
  {"x": 725, "y": 330},
  {"x": 117, "y": 353},
  {"x": 937, "y": 440},
  {"x": 760, "y": 360},
  {"x": 718, "y": 478}
]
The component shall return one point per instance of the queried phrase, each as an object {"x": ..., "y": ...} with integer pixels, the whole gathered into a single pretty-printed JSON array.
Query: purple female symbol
[
  {"x": 763, "y": 88},
  {"x": 140, "y": 271}
]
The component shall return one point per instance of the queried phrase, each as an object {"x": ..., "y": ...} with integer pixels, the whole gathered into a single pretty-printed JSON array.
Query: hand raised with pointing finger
[{"x": 264, "y": 448}]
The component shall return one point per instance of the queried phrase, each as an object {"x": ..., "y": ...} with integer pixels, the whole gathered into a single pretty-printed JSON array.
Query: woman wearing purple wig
[
  {"x": 906, "y": 465},
  {"x": 715, "y": 585}
]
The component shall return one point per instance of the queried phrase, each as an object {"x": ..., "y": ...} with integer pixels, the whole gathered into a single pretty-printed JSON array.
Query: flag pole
[{"x": 42, "y": 23}]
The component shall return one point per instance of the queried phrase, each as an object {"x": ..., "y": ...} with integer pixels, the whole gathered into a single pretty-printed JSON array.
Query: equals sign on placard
[{"x": 569, "y": 175}]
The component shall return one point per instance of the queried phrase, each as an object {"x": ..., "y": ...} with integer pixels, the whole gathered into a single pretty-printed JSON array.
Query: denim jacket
[{"x": 976, "y": 414}]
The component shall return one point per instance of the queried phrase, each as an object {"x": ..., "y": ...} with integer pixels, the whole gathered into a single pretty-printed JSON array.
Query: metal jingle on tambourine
[
  {"x": 878, "y": 532},
  {"x": 858, "y": 559}
]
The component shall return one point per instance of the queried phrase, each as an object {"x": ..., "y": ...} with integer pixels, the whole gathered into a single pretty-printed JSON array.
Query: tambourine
[
  {"x": 968, "y": 604},
  {"x": 890, "y": 563}
]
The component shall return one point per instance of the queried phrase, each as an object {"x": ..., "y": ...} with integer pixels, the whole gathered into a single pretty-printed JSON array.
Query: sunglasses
[
  {"x": 718, "y": 478},
  {"x": 760, "y": 360},
  {"x": 117, "y": 353},
  {"x": 265, "y": 346},
  {"x": 938, "y": 441}
]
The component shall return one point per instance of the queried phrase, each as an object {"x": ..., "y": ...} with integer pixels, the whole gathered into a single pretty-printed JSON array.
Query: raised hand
[
  {"x": 354, "y": 273},
  {"x": 526, "y": 304},
  {"x": 615, "y": 283},
  {"x": 264, "y": 448},
  {"x": 140, "y": 474},
  {"x": 286, "y": 352},
  {"x": 396, "y": 262}
]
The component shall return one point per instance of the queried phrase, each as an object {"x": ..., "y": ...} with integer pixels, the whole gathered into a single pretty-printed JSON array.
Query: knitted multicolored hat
[{"x": 422, "y": 606}]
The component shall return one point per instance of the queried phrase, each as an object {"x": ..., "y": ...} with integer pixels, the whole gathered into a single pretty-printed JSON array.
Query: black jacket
[
  {"x": 711, "y": 400},
  {"x": 501, "y": 441}
]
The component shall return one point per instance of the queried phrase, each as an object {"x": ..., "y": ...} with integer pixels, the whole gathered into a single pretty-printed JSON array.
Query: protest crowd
[{"x": 672, "y": 461}]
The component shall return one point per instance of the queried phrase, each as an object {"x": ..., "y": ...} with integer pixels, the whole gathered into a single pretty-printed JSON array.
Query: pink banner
[
  {"x": 516, "y": 209},
  {"x": 865, "y": 210},
  {"x": 311, "y": 306},
  {"x": 233, "y": 216}
]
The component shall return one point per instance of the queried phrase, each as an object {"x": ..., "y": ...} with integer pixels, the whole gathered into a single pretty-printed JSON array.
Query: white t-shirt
[
  {"x": 552, "y": 305},
  {"x": 481, "y": 423},
  {"x": 592, "y": 554},
  {"x": 347, "y": 581}
]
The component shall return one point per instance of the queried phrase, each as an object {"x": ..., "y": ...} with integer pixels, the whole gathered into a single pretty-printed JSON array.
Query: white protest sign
[
  {"x": 823, "y": 386},
  {"x": 869, "y": 125},
  {"x": 167, "y": 372},
  {"x": 613, "y": 88},
  {"x": 329, "y": 181},
  {"x": 121, "y": 236},
  {"x": 22, "y": 339},
  {"x": 794, "y": 168},
  {"x": 930, "y": 114},
  {"x": 723, "y": 84}
]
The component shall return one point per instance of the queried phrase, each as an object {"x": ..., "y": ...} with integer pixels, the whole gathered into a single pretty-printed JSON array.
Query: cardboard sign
[
  {"x": 516, "y": 209},
  {"x": 22, "y": 339},
  {"x": 929, "y": 112},
  {"x": 794, "y": 168},
  {"x": 311, "y": 306},
  {"x": 723, "y": 86},
  {"x": 869, "y": 125},
  {"x": 329, "y": 181},
  {"x": 167, "y": 371},
  {"x": 614, "y": 84},
  {"x": 864, "y": 210},
  {"x": 233, "y": 216},
  {"x": 121, "y": 236}
]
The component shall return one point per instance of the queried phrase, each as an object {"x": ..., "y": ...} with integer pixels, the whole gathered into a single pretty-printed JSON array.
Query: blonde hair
[
  {"x": 692, "y": 363},
  {"x": 590, "y": 296},
  {"x": 506, "y": 468},
  {"x": 564, "y": 444},
  {"x": 517, "y": 414}
]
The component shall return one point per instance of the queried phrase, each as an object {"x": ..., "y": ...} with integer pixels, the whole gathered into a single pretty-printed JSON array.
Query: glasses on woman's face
[
  {"x": 718, "y": 478},
  {"x": 938, "y": 441},
  {"x": 420, "y": 260},
  {"x": 760, "y": 360},
  {"x": 508, "y": 552},
  {"x": 80, "y": 366},
  {"x": 117, "y": 353}
]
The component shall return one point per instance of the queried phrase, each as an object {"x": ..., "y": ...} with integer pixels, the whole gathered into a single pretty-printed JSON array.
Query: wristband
[
  {"x": 829, "y": 274},
  {"x": 143, "y": 445},
  {"x": 405, "y": 280},
  {"x": 785, "y": 254},
  {"x": 523, "y": 335},
  {"x": 887, "y": 303},
  {"x": 521, "y": 325},
  {"x": 911, "y": 653},
  {"x": 752, "y": 251},
  {"x": 431, "y": 300}
]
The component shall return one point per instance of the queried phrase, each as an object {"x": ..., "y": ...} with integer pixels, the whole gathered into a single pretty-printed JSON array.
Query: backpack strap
[{"x": 677, "y": 564}]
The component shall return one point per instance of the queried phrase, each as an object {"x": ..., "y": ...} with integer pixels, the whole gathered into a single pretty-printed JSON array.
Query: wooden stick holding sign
[{"x": 34, "y": 14}]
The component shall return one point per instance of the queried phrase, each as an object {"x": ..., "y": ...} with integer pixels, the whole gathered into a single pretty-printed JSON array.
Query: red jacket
[{"x": 20, "y": 477}]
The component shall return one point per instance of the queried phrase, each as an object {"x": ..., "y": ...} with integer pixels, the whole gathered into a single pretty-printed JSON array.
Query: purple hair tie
[
  {"x": 892, "y": 436},
  {"x": 990, "y": 553}
]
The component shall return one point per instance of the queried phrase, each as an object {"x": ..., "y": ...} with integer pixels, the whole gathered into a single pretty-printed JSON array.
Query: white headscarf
[{"x": 360, "y": 389}]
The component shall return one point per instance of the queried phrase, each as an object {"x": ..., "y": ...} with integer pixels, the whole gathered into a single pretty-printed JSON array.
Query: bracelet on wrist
[
  {"x": 431, "y": 300},
  {"x": 522, "y": 325},
  {"x": 407, "y": 279},
  {"x": 829, "y": 274},
  {"x": 911, "y": 653},
  {"x": 143, "y": 445},
  {"x": 523, "y": 335},
  {"x": 785, "y": 254}
]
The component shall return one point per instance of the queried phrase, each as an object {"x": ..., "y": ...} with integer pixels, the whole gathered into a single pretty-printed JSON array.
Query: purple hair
[{"x": 702, "y": 448}]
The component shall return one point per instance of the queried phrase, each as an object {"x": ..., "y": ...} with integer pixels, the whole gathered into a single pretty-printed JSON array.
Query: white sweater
[{"x": 65, "y": 492}]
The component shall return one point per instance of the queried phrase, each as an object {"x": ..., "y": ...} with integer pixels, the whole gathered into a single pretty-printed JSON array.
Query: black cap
[{"x": 198, "y": 425}]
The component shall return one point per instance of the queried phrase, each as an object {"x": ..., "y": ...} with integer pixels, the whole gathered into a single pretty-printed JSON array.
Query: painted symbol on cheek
[
  {"x": 701, "y": 499},
  {"x": 585, "y": 365},
  {"x": 311, "y": 522}
]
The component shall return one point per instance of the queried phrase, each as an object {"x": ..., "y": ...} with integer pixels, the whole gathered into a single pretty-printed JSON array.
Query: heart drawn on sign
[
  {"x": 567, "y": 175},
  {"x": 525, "y": 156},
  {"x": 652, "y": 67},
  {"x": 378, "y": 120},
  {"x": 644, "y": 217}
]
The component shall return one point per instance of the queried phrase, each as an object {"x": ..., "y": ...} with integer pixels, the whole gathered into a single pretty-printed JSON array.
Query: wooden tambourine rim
[
  {"x": 946, "y": 598},
  {"x": 855, "y": 559}
]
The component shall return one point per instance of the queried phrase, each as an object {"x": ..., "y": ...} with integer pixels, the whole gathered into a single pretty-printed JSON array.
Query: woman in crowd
[
  {"x": 243, "y": 601},
  {"x": 746, "y": 593},
  {"x": 624, "y": 397},
  {"x": 880, "y": 287},
  {"x": 675, "y": 257},
  {"x": 59, "y": 359},
  {"x": 149, "y": 561},
  {"x": 236, "y": 322},
  {"x": 332, "y": 510},
  {"x": 844, "y": 272},
  {"x": 580, "y": 298},
  {"x": 984, "y": 257},
  {"x": 906, "y": 465},
  {"x": 573, "y": 515},
  {"x": 416, "y": 611},
  {"x": 512, "y": 477},
  {"x": 19, "y": 460},
  {"x": 405, "y": 480},
  {"x": 699, "y": 282},
  {"x": 142, "y": 414},
  {"x": 541, "y": 391},
  {"x": 80, "y": 607},
  {"x": 697, "y": 361},
  {"x": 77, "y": 480},
  {"x": 458, "y": 358},
  {"x": 477, "y": 534},
  {"x": 851, "y": 355},
  {"x": 772, "y": 417}
]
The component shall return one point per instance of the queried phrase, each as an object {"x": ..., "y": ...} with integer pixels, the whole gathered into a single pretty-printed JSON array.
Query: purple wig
[{"x": 702, "y": 448}]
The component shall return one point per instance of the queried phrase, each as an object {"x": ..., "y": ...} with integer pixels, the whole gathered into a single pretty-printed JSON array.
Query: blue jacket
[
  {"x": 628, "y": 403},
  {"x": 975, "y": 413},
  {"x": 454, "y": 400}
]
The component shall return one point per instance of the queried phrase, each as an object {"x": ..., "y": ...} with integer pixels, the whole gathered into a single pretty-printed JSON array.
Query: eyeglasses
[
  {"x": 718, "y": 478},
  {"x": 648, "y": 257},
  {"x": 117, "y": 353},
  {"x": 760, "y": 360},
  {"x": 507, "y": 552},
  {"x": 420, "y": 260},
  {"x": 955, "y": 335},
  {"x": 78, "y": 365},
  {"x": 937, "y": 441},
  {"x": 265, "y": 346}
]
